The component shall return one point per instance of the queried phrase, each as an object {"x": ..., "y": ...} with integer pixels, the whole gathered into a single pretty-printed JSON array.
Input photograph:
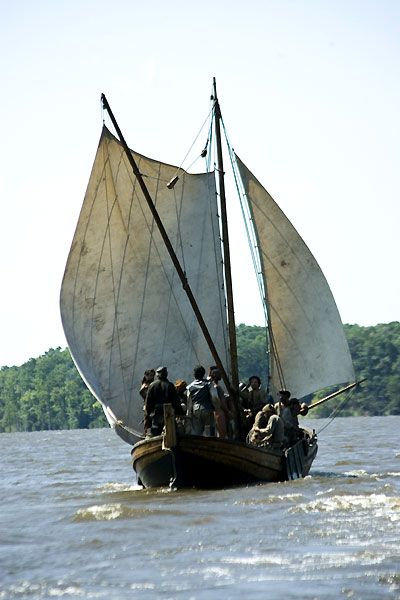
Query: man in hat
[{"x": 160, "y": 392}]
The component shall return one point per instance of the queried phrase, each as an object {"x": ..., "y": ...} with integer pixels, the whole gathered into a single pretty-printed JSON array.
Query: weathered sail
[
  {"x": 123, "y": 307},
  {"x": 306, "y": 326}
]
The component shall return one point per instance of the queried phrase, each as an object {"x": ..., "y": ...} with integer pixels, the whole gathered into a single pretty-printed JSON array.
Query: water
[{"x": 73, "y": 523}]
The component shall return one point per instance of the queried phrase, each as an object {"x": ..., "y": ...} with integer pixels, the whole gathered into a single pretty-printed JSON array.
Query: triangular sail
[
  {"x": 307, "y": 330},
  {"x": 123, "y": 307}
]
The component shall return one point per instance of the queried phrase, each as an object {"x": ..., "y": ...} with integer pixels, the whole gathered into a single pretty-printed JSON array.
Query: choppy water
[{"x": 75, "y": 525}]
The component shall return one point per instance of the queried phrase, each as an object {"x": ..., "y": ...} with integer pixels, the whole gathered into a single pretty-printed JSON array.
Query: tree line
[
  {"x": 375, "y": 352},
  {"x": 48, "y": 393}
]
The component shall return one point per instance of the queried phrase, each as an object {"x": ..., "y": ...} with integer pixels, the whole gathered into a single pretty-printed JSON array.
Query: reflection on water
[{"x": 74, "y": 524}]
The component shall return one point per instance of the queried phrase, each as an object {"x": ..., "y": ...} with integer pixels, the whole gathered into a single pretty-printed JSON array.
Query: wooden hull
[{"x": 208, "y": 462}]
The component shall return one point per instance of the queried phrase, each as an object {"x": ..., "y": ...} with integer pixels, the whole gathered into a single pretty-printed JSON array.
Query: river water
[{"x": 74, "y": 524}]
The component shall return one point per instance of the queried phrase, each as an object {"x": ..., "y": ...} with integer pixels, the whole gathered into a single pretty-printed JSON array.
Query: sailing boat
[{"x": 148, "y": 282}]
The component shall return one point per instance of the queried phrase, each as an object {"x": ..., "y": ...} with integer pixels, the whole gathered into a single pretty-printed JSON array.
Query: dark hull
[{"x": 208, "y": 462}]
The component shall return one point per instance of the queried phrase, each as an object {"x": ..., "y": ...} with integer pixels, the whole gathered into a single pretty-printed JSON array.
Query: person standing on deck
[
  {"x": 160, "y": 392},
  {"x": 222, "y": 414},
  {"x": 200, "y": 407},
  {"x": 148, "y": 378},
  {"x": 181, "y": 387},
  {"x": 253, "y": 397}
]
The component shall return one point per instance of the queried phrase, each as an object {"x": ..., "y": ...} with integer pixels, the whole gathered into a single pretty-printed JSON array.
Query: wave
[
  {"x": 272, "y": 499},
  {"x": 111, "y": 512},
  {"x": 349, "y": 503}
]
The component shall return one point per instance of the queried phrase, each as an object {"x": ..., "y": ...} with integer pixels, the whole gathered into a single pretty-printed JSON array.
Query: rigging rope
[
  {"x": 193, "y": 143},
  {"x": 336, "y": 410},
  {"x": 256, "y": 259}
]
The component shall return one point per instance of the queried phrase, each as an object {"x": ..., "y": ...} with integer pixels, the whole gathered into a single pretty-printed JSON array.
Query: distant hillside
[
  {"x": 375, "y": 352},
  {"x": 48, "y": 393}
]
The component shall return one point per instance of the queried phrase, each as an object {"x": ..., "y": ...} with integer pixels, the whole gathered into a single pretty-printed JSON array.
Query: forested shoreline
[{"x": 48, "y": 393}]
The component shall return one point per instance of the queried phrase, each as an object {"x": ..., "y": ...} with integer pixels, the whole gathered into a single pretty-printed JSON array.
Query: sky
[{"x": 310, "y": 96}]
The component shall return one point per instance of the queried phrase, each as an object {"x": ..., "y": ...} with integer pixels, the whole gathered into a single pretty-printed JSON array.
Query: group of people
[
  {"x": 277, "y": 425},
  {"x": 203, "y": 408}
]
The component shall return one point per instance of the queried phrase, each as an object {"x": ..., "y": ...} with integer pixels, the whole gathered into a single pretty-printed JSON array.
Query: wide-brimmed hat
[
  {"x": 268, "y": 408},
  {"x": 180, "y": 385}
]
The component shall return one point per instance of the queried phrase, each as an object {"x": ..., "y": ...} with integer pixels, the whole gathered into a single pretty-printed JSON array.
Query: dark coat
[{"x": 160, "y": 392}]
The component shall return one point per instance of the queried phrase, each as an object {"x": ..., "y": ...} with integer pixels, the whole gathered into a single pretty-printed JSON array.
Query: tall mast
[
  {"x": 227, "y": 256},
  {"x": 167, "y": 242}
]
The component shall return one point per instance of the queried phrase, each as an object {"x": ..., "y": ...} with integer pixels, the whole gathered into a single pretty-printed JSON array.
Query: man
[
  {"x": 148, "y": 378},
  {"x": 222, "y": 414},
  {"x": 160, "y": 392},
  {"x": 268, "y": 429},
  {"x": 253, "y": 397},
  {"x": 291, "y": 421},
  {"x": 283, "y": 401},
  {"x": 200, "y": 406}
]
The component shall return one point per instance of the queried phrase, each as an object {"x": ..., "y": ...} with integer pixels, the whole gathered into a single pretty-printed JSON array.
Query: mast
[
  {"x": 181, "y": 273},
  {"x": 227, "y": 257}
]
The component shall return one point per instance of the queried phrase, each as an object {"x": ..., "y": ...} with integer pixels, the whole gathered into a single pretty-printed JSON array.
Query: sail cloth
[
  {"x": 123, "y": 306},
  {"x": 305, "y": 322}
]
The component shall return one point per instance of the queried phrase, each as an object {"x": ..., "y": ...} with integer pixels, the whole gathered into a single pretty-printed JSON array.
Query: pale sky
[{"x": 310, "y": 96}]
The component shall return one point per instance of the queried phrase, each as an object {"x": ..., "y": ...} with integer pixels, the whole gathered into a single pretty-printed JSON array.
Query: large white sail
[
  {"x": 122, "y": 304},
  {"x": 305, "y": 322}
]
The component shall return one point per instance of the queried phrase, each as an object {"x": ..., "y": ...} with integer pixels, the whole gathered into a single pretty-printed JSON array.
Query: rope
[
  {"x": 193, "y": 143},
  {"x": 336, "y": 411},
  {"x": 256, "y": 259}
]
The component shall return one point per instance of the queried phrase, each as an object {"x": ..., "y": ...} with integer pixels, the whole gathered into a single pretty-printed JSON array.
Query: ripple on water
[
  {"x": 392, "y": 580},
  {"x": 111, "y": 512},
  {"x": 270, "y": 499},
  {"x": 27, "y": 589},
  {"x": 375, "y": 504},
  {"x": 119, "y": 487}
]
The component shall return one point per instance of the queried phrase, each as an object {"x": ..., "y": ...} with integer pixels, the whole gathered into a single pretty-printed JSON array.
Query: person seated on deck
[
  {"x": 283, "y": 401},
  {"x": 293, "y": 432},
  {"x": 160, "y": 392},
  {"x": 268, "y": 429},
  {"x": 222, "y": 414},
  {"x": 200, "y": 406}
]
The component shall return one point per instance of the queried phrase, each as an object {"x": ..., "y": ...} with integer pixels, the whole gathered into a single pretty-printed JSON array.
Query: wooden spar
[
  {"x": 227, "y": 259},
  {"x": 345, "y": 389},
  {"x": 168, "y": 245}
]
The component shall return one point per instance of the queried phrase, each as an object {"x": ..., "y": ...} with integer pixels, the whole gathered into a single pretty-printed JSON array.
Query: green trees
[
  {"x": 375, "y": 352},
  {"x": 252, "y": 353},
  {"x": 48, "y": 392},
  {"x": 376, "y": 356}
]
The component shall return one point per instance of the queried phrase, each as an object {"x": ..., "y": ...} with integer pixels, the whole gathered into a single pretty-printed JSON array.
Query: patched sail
[
  {"x": 308, "y": 336},
  {"x": 123, "y": 307}
]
